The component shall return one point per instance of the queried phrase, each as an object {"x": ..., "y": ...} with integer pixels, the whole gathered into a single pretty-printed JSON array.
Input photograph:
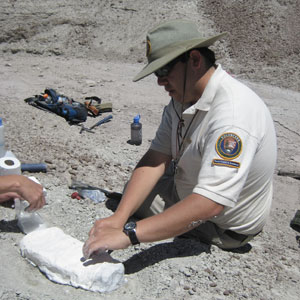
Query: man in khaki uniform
[{"x": 212, "y": 159}]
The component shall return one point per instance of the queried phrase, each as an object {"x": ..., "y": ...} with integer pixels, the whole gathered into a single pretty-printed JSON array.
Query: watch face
[{"x": 130, "y": 226}]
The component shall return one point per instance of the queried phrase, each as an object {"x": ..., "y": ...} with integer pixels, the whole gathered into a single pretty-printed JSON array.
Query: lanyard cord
[
  {"x": 179, "y": 143},
  {"x": 179, "y": 138}
]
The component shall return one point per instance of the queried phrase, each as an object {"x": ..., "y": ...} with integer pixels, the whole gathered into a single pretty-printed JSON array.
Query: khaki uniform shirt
[{"x": 228, "y": 152}]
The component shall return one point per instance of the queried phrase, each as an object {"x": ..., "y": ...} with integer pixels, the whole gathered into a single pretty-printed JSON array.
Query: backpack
[{"x": 74, "y": 112}]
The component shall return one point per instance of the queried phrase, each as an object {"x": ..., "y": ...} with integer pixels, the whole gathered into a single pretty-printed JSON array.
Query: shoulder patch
[
  {"x": 229, "y": 145},
  {"x": 226, "y": 163}
]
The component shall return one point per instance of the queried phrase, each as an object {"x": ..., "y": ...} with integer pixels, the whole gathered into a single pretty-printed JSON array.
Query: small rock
[
  {"x": 90, "y": 83},
  {"x": 227, "y": 293}
]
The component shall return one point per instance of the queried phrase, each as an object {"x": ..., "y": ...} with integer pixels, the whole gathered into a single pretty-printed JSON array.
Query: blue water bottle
[{"x": 136, "y": 131}]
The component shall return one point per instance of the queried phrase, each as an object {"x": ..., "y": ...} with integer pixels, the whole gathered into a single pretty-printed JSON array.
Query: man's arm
[
  {"x": 146, "y": 174},
  {"x": 178, "y": 219},
  {"x": 108, "y": 233}
]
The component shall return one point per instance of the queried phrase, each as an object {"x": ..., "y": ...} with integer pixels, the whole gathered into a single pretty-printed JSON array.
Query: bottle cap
[
  {"x": 136, "y": 119},
  {"x": 0, "y": 121}
]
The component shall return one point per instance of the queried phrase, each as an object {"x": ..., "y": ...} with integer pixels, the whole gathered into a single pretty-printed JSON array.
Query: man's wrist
[
  {"x": 122, "y": 215},
  {"x": 130, "y": 230}
]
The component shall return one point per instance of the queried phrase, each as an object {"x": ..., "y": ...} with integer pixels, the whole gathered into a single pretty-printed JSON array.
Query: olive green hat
[{"x": 169, "y": 40}]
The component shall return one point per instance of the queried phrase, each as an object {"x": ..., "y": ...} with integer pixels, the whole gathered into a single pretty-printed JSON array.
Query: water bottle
[
  {"x": 2, "y": 140},
  {"x": 136, "y": 131}
]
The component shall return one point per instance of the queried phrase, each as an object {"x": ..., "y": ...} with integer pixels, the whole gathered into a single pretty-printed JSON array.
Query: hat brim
[{"x": 178, "y": 50}]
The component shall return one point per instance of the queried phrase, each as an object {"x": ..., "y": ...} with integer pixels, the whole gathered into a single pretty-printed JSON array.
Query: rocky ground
[{"x": 94, "y": 48}]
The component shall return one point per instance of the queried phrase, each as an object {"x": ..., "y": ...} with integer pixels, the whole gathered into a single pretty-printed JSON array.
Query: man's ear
[{"x": 196, "y": 58}]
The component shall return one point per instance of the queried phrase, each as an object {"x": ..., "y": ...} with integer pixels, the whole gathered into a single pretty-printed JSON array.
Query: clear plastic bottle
[
  {"x": 136, "y": 131},
  {"x": 2, "y": 140},
  {"x": 27, "y": 221}
]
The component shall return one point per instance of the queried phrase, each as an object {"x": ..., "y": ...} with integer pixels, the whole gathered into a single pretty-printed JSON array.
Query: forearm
[
  {"x": 10, "y": 183},
  {"x": 145, "y": 176},
  {"x": 177, "y": 219},
  {"x": 140, "y": 185}
]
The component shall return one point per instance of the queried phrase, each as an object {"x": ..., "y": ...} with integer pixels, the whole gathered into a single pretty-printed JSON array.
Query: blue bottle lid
[
  {"x": 136, "y": 119},
  {"x": 0, "y": 121}
]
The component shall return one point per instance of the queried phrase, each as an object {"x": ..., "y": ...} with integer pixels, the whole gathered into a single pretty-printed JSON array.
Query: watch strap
[
  {"x": 131, "y": 233},
  {"x": 133, "y": 238}
]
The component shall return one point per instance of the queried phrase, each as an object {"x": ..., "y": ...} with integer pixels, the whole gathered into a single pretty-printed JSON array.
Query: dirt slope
[{"x": 262, "y": 43}]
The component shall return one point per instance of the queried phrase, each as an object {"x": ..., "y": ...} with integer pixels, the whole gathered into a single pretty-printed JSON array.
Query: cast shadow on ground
[
  {"x": 145, "y": 258},
  {"x": 160, "y": 252},
  {"x": 112, "y": 204},
  {"x": 180, "y": 247},
  {"x": 9, "y": 226}
]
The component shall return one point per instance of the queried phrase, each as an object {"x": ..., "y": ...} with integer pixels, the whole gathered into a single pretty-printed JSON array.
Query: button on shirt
[{"x": 228, "y": 154}]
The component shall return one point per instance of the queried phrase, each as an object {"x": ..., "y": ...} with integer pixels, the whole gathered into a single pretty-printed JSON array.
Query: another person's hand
[
  {"x": 106, "y": 234},
  {"x": 32, "y": 192},
  {"x": 8, "y": 196},
  {"x": 19, "y": 186}
]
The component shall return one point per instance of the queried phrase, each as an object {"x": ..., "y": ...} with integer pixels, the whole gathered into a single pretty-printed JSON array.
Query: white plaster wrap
[{"x": 59, "y": 256}]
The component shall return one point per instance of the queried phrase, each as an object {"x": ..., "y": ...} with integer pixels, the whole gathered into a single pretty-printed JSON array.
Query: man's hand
[{"x": 106, "y": 234}]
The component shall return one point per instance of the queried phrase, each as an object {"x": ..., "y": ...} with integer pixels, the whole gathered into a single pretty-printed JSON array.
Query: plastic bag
[{"x": 95, "y": 195}]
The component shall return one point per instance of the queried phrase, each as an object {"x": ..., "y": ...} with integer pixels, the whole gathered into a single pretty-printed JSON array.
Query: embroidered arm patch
[{"x": 228, "y": 146}]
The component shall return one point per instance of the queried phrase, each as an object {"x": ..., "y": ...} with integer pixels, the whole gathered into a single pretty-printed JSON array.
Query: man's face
[{"x": 174, "y": 82}]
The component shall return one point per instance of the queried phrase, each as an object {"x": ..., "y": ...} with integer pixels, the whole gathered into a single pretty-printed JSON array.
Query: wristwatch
[{"x": 130, "y": 230}]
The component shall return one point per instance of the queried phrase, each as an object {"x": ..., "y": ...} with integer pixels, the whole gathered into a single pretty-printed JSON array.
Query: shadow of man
[{"x": 160, "y": 252}]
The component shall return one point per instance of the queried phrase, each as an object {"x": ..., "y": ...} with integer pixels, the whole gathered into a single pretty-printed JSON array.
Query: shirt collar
[{"x": 205, "y": 101}]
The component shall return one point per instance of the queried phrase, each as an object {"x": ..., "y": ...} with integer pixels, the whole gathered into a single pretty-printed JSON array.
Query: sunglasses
[{"x": 166, "y": 69}]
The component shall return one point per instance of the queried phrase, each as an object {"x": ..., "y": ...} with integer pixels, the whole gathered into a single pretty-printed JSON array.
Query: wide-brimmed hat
[{"x": 169, "y": 40}]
